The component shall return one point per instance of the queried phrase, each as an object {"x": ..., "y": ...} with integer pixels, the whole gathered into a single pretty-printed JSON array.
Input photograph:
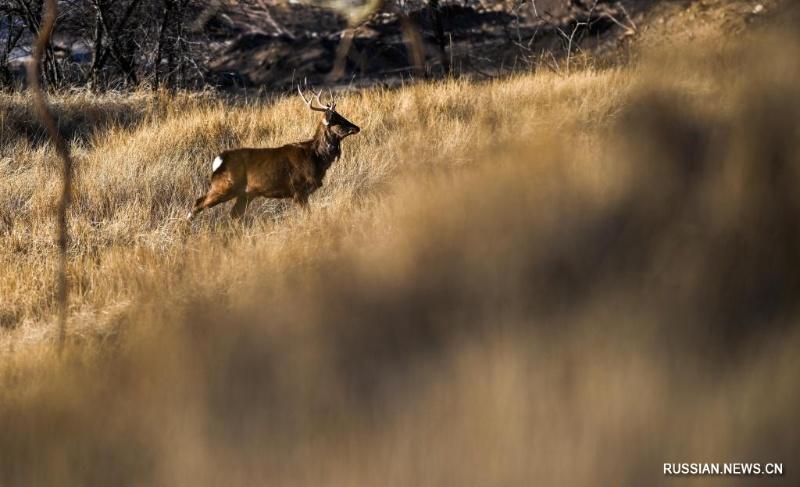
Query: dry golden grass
[
  {"x": 556, "y": 280},
  {"x": 134, "y": 184}
]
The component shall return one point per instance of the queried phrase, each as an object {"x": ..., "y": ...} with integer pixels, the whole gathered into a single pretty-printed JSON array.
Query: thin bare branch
[{"x": 46, "y": 117}]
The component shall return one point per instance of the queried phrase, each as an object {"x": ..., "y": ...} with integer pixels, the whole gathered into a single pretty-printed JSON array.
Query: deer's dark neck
[{"x": 326, "y": 146}]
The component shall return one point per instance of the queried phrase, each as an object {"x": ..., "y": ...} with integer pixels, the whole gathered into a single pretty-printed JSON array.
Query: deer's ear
[{"x": 327, "y": 120}]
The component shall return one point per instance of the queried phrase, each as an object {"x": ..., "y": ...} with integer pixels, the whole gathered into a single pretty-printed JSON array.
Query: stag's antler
[
  {"x": 310, "y": 102},
  {"x": 327, "y": 106},
  {"x": 333, "y": 100}
]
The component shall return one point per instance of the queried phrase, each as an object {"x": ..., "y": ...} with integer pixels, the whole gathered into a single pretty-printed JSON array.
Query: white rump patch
[{"x": 215, "y": 165}]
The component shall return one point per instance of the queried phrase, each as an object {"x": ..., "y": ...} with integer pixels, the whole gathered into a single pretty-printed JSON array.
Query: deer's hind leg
[{"x": 214, "y": 197}]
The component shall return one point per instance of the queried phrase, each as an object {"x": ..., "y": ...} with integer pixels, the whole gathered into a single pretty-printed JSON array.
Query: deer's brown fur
[{"x": 290, "y": 171}]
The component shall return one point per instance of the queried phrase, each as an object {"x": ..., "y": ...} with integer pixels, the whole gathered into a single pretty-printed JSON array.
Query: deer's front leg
[
  {"x": 302, "y": 187},
  {"x": 240, "y": 207},
  {"x": 300, "y": 197}
]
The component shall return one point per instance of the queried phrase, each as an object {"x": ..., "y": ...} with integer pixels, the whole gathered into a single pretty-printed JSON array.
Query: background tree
[{"x": 23, "y": 17}]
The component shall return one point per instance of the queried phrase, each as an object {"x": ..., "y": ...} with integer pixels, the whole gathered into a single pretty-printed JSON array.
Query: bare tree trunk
[
  {"x": 127, "y": 64},
  {"x": 162, "y": 45},
  {"x": 180, "y": 44},
  {"x": 98, "y": 58},
  {"x": 12, "y": 37},
  {"x": 434, "y": 11}
]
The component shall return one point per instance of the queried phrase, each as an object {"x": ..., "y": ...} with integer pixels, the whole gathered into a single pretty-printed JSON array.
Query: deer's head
[{"x": 334, "y": 123}]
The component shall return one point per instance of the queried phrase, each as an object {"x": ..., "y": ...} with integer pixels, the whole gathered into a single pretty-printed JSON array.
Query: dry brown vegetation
[{"x": 543, "y": 279}]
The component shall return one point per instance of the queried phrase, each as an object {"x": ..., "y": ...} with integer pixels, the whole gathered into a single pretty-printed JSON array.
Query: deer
[{"x": 291, "y": 171}]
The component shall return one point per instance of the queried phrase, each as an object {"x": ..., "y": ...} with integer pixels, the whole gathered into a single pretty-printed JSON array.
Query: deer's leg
[
  {"x": 212, "y": 198},
  {"x": 240, "y": 206},
  {"x": 197, "y": 207},
  {"x": 301, "y": 199},
  {"x": 301, "y": 190}
]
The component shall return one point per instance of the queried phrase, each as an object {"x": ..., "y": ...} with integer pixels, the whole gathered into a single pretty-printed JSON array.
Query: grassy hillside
[
  {"x": 550, "y": 278},
  {"x": 135, "y": 184}
]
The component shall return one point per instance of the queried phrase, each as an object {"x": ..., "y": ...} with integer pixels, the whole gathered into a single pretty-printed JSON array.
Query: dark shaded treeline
[{"x": 190, "y": 44}]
